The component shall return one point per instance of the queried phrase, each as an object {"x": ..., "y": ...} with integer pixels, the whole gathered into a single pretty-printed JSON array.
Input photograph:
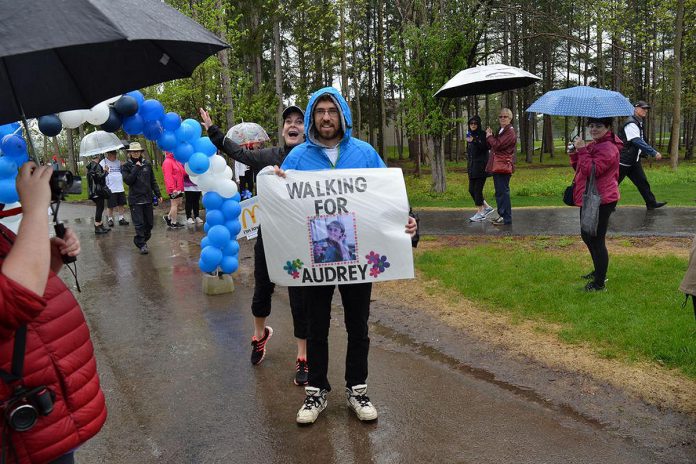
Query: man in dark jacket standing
[
  {"x": 635, "y": 146},
  {"x": 142, "y": 188}
]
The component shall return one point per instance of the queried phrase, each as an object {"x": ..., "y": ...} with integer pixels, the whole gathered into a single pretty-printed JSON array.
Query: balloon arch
[{"x": 138, "y": 116}]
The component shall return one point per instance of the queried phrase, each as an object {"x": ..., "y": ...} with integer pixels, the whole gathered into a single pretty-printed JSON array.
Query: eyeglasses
[
  {"x": 503, "y": 116},
  {"x": 333, "y": 112}
]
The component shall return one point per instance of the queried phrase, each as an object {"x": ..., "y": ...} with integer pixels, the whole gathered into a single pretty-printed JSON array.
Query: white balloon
[
  {"x": 226, "y": 188},
  {"x": 227, "y": 173},
  {"x": 72, "y": 119},
  {"x": 206, "y": 182},
  {"x": 190, "y": 172},
  {"x": 98, "y": 114},
  {"x": 217, "y": 164}
]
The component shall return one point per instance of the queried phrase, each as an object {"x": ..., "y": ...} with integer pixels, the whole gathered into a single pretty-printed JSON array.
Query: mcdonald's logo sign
[{"x": 249, "y": 213}]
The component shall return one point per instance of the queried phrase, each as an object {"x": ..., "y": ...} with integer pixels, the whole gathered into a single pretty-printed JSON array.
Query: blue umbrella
[{"x": 582, "y": 101}]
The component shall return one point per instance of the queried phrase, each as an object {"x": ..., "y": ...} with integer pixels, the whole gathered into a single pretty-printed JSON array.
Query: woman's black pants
[{"x": 597, "y": 244}]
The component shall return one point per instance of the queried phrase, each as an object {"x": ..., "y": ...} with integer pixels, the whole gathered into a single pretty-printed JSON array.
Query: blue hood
[{"x": 343, "y": 108}]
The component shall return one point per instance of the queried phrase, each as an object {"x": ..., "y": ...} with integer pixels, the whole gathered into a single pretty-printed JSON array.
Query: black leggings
[
  {"x": 597, "y": 244},
  {"x": 191, "y": 204},
  {"x": 100, "y": 209},
  {"x": 476, "y": 189}
]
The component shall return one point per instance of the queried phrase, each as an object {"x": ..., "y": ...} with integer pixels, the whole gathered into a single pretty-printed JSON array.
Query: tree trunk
[
  {"x": 676, "y": 107},
  {"x": 224, "y": 57},
  {"x": 380, "y": 76},
  {"x": 278, "y": 79},
  {"x": 437, "y": 165},
  {"x": 344, "y": 53},
  {"x": 71, "y": 150}
]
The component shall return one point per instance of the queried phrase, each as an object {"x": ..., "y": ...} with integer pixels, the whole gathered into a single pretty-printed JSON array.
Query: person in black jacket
[
  {"x": 293, "y": 135},
  {"x": 476, "y": 160},
  {"x": 142, "y": 188},
  {"x": 96, "y": 183}
]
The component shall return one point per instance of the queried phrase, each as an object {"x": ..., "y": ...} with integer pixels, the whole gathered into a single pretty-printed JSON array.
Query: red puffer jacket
[
  {"x": 605, "y": 155},
  {"x": 173, "y": 173},
  {"x": 59, "y": 355}
]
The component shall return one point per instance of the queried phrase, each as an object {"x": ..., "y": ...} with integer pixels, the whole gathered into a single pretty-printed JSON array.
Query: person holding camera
[
  {"x": 174, "y": 184},
  {"x": 50, "y": 398},
  {"x": 476, "y": 160},
  {"x": 96, "y": 184}
]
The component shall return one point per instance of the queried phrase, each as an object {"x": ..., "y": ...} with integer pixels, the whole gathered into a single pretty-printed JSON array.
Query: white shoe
[
  {"x": 360, "y": 403},
  {"x": 199, "y": 220},
  {"x": 488, "y": 210},
  {"x": 478, "y": 217},
  {"x": 314, "y": 403},
  {"x": 190, "y": 221}
]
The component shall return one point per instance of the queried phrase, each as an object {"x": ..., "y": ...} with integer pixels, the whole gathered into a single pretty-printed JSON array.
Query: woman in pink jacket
[
  {"x": 174, "y": 183},
  {"x": 603, "y": 152}
]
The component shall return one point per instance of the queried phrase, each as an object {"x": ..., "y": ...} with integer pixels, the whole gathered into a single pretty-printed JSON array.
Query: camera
[
  {"x": 64, "y": 183},
  {"x": 24, "y": 407},
  {"x": 571, "y": 146}
]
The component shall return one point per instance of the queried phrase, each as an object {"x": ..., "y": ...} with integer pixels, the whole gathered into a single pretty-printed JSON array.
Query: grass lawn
[{"x": 638, "y": 318}]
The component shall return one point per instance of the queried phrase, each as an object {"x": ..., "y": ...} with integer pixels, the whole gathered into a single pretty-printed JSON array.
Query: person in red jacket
[
  {"x": 174, "y": 183},
  {"x": 603, "y": 152},
  {"x": 58, "y": 355},
  {"x": 501, "y": 163}
]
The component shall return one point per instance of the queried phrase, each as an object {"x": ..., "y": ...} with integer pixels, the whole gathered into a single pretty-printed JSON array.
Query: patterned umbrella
[
  {"x": 583, "y": 101},
  {"x": 247, "y": 132}
]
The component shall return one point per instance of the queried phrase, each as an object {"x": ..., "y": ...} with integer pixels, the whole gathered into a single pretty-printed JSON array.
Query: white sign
[
  {"x": 249, "y": 219},
  {"x": 337, "y": 226}
]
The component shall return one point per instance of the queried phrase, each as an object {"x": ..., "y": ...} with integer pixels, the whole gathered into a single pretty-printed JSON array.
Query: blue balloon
[
  {"x": 114, "y": 122},
  {"x": 7, "y": 129},
  {"x": 211, "y": 255},
  {"x": 126, "y": 105},
  {"x": 205, "y": 242},
  {"x": 133, "y": 125},
  {"x": 206, "y": 228},
  {"x": 236, "y": 197},
  {"x": 231, "y": 209},
  {"x": 206, "y": 267},
  {"x": 195, "y": 125},
  {"x": 182, "y": 152},
  {"x": 8, "y": 192},
  {"x": 218, "y": 236},
  {"x": 151, "y": 110},
  {"x": 214, "y": 217},
  {"x": 171, "y": 122},
  {"x": 229, "y": 264},
  {"x": 167, "y": 141},
  {"x": 13, "y": 145},
  {"x": 234, "y": 226},
  {"x": 212, "y": 200},
  {"x": 205, "y": 146},
  {"x": 185, "y": 133},
  {"x": 21, "y": 159},
  {"x": 231, "y": 249},
  {"x": 50, "y": 125},
  {"x": 8, "y": 168},
  {"x": 198, "y": 163},
  {"x": 152, "y": 130},
  {"x": 137, "y": 94}
]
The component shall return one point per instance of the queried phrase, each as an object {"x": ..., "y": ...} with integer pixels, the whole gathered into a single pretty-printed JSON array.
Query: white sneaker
[
  {"x": 199, "y": 220},
  {"x": 487, "y": 210},
  {"x": 314, "y": 403},
  {"x": 360, "y": 403},
  {"x": 190, "y": 221},
  {"x": 478, "y": 217}
]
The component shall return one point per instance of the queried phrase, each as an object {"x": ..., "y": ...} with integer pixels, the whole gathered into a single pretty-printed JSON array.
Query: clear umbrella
[
  {"x": 247, "y": 132},
  {"x": 99, "y": 142}
]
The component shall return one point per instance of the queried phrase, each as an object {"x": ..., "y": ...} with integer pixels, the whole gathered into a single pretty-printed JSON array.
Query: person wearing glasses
[
  {"x": 501, "y": 163},
  {"x": 476, "y": 161},
  {"x": 603, "y": 152}
]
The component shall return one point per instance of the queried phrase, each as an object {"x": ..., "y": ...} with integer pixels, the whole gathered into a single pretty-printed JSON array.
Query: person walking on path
[
  {"x": 293, "y": 135},
  {"x": 603, "y": 153},
  {"x": 114, "y": 180},
  {"x": 40, "y": 318},
  {"x": 501, "y": 163},
  {"x": 476, "y": 160},
  {"x": 192, "y": 201},
  {"x": 174, "y": 184},
  {"x": 329, "y": 145},
  {"x": 143, "y": 188},
  {"x": 96, "y": 185},
  {"x": 635, "y": 146}
]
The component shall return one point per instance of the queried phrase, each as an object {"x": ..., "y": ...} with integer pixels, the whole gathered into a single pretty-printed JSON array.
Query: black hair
[{"x": 607, "y": 122}]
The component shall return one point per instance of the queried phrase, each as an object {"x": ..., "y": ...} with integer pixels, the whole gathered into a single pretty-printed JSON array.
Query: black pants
[
  {"x": 263, "y": 291},
  {"x": 246, "y": 182},
  {"x": 191, "y": 204},
  {"x": 637, "y": 176},
  {"x": 356, "y": 311},
  {"x": 476, "y": 189},
  {"x": 100, "y": 209},
  {"x": 502, "y": 196},
  {"x": 142, "y": 216},
  {"x": 597, "y": 245}
]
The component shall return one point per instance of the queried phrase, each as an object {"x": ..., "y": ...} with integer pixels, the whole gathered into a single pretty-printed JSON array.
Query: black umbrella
[{"x": 59, "y": 55}]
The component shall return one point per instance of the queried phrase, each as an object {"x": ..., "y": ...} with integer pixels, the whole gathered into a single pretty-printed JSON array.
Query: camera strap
[{"x": 17, "y": 357}]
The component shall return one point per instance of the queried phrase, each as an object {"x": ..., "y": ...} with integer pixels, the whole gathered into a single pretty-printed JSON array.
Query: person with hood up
[
  {"x": 293, "y": 135},
  {"x": 476, "y": 160},
  {"x": 603, "y": 152},
  {"x": 329, "y": 145},
  {"x": 174, "y": 184}
]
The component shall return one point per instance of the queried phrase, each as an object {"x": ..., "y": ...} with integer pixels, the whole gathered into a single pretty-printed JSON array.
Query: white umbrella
[
  {"x": 483, "y": 80},
  {"x": 99, "y": 142}
]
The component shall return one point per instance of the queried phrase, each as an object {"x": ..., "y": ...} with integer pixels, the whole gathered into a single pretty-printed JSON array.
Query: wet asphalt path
[{"x": 180, "y": 389}]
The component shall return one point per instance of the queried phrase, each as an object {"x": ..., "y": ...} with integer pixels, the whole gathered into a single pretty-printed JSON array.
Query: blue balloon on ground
[
  {"x": 231, "y": 249},
  {"x": 195, "y": 126},
  {"x": 113, "y": 123},
  {"x": 151, "y": 110},
  {"x": 152, "y": 130},
  {"x": 50, "y": 125},
  {"x": 184, "y": 133},
  {"x": 171, "y": 121},
  {"x": 167, "y": 141},
  {"x": 133, "y": 125},
  {"x": 212, "y": 200},
  {"x": 205, "y": 146},
  {"x": 10, "y": 128},
  {"x": 13, "y": 145},
  {"x": 206, "y": 267},
  {"x": 211, "y": 255},
  {"x": 137, "y": 95},
  {"x": 229, "y": 264},
  {"x": 205, "y": 241},
  {"x": 215, "y": 217},
  {"x": 198, "y": 163},
  {"x": 234, "y": 226},
  {"x": 231, "y": 209},
  {"x": 182, "y": 152},
  {"x": 126, "y": 105},
  {"x": 8, "y": 192},
  {"x": 218, "y": 236},
  {"x": 8, "y": 168}
]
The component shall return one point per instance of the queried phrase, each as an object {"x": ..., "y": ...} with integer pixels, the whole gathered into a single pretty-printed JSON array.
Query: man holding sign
[{"x": 329, "y": 145}]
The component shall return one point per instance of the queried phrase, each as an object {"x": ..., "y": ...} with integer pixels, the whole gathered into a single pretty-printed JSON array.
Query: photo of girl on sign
[{"x": 333, "y": 239}]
